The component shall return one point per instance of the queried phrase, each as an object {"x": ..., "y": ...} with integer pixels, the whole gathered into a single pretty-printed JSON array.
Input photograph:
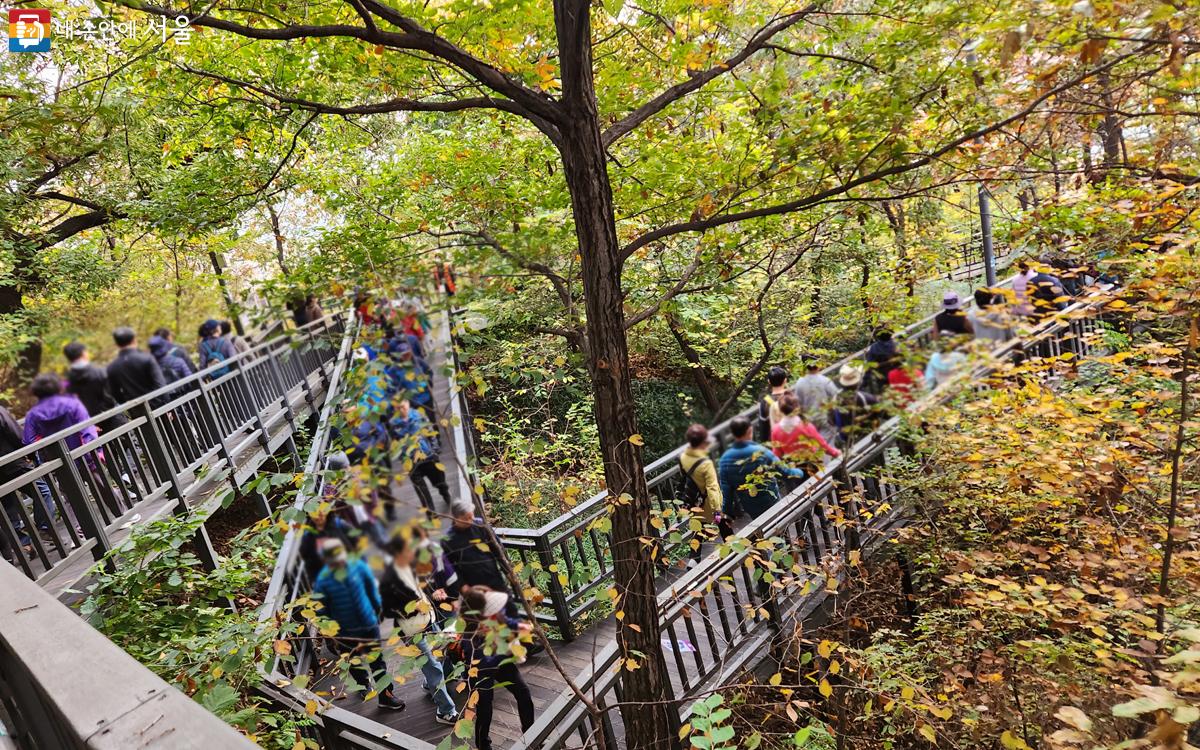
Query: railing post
[
  {"x": 162, "y": 459},
  {"x": 277, "y": 377},
  {"x": 562, "y": 611},
  {"x": 209, "y": 414},
  {"x": 72, "y": 486},
  {"x": 241, "y": 374}
]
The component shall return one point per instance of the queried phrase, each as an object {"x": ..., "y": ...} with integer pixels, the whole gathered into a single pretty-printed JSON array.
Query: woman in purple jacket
[{"x": 55, "y": 412}]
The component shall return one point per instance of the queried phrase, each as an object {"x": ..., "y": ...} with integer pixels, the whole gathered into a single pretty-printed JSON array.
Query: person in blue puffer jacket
[
  {"x": 748, "y": 472},
  {"x": 350, "y": 597}
]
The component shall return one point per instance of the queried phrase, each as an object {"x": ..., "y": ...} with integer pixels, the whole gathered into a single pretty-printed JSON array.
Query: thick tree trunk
[
  {"x": 700, "y": 373},
  {"x": 649, "y": 717}
]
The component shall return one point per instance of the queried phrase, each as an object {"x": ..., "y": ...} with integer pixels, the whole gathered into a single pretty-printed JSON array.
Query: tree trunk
[
  {"x": 651, "y": 720},
  {"x": 700, "y": 373},
  {"x": 897, "y": 221},
  {"x": 1109, "y": 128},
  {"x": 230, "y": 305}
]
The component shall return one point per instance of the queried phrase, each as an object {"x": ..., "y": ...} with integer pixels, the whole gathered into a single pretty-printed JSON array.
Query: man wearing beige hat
[{"x": 854, "y": 409}]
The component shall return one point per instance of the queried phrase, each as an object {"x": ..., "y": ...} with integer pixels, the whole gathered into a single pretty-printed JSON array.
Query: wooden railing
[
  {"x": 717, "y": 620},
  {"x": 177, "y": 447}
]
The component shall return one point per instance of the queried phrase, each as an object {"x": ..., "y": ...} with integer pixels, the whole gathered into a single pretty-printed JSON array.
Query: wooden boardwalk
[{"x": 544, "y": 680}]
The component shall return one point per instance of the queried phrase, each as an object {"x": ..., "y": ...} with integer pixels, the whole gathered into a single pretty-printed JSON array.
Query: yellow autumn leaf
[
  {"x": 825, "y": 688},
  {"x": 636, "y": 439}
]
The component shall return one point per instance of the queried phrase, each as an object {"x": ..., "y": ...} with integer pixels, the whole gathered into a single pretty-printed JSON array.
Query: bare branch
[
  {"x": 698, "y": 80},
  {"x": 670, "y": 294}
]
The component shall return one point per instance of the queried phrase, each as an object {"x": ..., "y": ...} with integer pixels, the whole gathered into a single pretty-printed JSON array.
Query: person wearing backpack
[
  {"x": 214, "y": 347},
  {"x": 701, "y": 489},
  {"x": 173, "y": 368},
  {"x": 748, "y": 473},
  {"x": 768, "y": 405}
]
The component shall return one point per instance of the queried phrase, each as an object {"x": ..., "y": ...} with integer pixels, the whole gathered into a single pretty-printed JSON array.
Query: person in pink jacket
[{"x": 797, "y": 440}]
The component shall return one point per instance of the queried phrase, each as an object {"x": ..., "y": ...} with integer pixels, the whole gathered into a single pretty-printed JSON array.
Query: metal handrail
[
  {"x": 309, "y": 331},
  {"x": 561, "y": 606},
  {"x": 165, "y": 455},
  {"x": 566, "y": 719}
]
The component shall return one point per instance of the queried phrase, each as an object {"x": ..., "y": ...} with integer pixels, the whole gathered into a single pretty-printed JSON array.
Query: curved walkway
[{"x": 700, "y": 650}]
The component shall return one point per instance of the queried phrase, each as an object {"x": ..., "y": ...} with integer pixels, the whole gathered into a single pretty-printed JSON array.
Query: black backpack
[{"x": 691, "y": 494}]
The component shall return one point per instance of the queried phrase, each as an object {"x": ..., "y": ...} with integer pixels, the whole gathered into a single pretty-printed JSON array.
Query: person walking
[
  {"x": 312, "y": 309},
  {"x": 943, "y": 365},
  {"x": 798, "y": 440},
  {"x": 879, "y": 358},
  {"x": 406, "y": 600},
  {"x": 350, "y": 597},
  {"x": 89, "y": 384},
  {"x": 173, "y": 368},
  {"x": 177, "y": 349},
  {"x": 53, "y": 413},
  {"x": 11, "y": 440},
  {"x": 239, "y": 344},
  {"x": 214, "y": 348},
  {"x": 487, "y": 653},
  {"x": 905, "y": 381},
  {"x": 815, "y": 390},
  {"x": 701, "y": 487},
  {"x": 1020, "y": 287},
  {"x": 853, "y": 412},
  {"x": 134, "y": 373},
  {"x": 418, "y": 444},
  {"x": 473, "y": 551},
  {"x": 768, "y": 405},
  {"x": 748, "y": 473},
  {"x": 989, "y": 319},
  {"x": 322, "y": 524},
  {"x": 952, "y": 320}
]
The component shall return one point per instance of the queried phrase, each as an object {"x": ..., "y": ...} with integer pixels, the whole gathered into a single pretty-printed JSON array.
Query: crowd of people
[
  {"x": 86, "y": 390},
  {"x": 450, "y": 598},
  {"x": 800, "y": 426}
]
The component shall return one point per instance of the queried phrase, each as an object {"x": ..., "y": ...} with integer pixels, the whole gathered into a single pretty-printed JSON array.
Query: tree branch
[
  {"x": 698, "y": 80},
  {"x": 411, "y": 37},
  {"x": 54, "y": 195},
  {"x": 822, "y": 55},
  {"x": 74, "y": 225},
  {"x": 701, "y": 225},
  {"x": 670, "y": 294}
]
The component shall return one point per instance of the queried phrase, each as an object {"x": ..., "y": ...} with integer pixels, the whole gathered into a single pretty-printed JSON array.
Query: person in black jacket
[
  {"x": 472, "y": 550},
  {"x": 166, "y": 335},
  {"x": 134, "y": 373},
  {"x": 407, "y": 599},
  {"x": 89, "y": 384}
]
